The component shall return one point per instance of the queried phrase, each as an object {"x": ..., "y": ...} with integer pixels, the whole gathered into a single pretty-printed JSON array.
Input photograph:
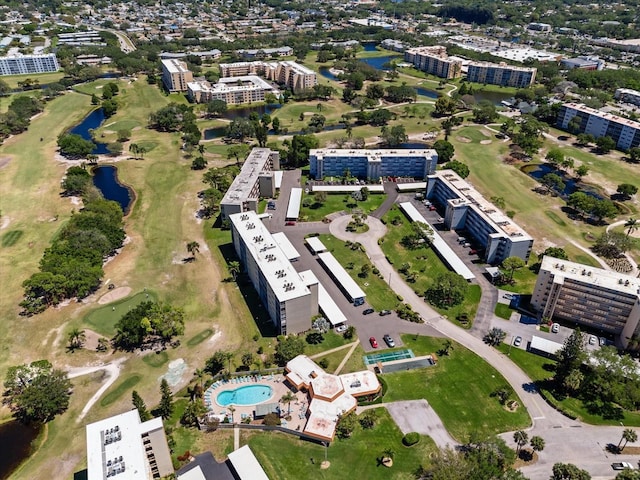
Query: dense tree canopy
[
  {"x": 448, "y": 289},
  {"x": 148, "y": 322}
]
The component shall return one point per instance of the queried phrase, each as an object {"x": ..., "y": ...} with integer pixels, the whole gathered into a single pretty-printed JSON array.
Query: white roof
[
  {"x": 286, "y": 246},
  {"x": 246, "y": 464},
  {"x": 193, "y": 474},
  {"x": 278, "y": 176},
  {"x": 293, "y": 209},
  {"x": 346, "y": 188},
  {"x": 283, "y": 279},
  {"x": 243, "y": 83},
  {"x": 342, "y": 277},
  {"x": 544, "y": 345},
  {"x": 358, "y": 383},
  {"x": 409, "y": 187},
  {"x": 329, "y": 308},
  {"x": 175, "y": 66},
  {"x": 105, "y": 446},
  {"x": 242, "y": 187},
  {"x": 450, "y": 257},
  {"x": 316, "y": 244}
]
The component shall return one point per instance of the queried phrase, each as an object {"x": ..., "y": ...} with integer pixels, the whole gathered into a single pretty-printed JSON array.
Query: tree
[
  {"x": 287, "y": 398},
  {"x": 573, "y": 381},
  {"x": 537, "y": 443},
  {"x": 627, "y": 190},
  {"x": 484, "y": 112},
  {"x": 568, "y": 471},
  {"x": 192, "y": 413},
  {"x": 74, "y": 145},
  {"x": 367, "y": 420},
  {"x": 234, "y": 269},
  {"x": 275, "y": 125},
  {"x": 458, "y": 167},
  {"x": 555, "y": 252},
  {"x": 631, "y": 225},
  {"x": 554, "y": 157},
  {"x": 584, "y": 139},
  {"x": 216, "y": 107},
  {"x": 570, "y": 356},
  {"x": 494, "y": 337},
  {"x": 298, "y": 150},
  {"x": 139, "y": 404},
  {"x": 394, "y": 136},
  {"x": 628, "y": 435},
  {"x": 605, "y": 144},
  {"x": 239, "y": 129},
  {"x": 553, "y": 182},
  {"x": 36, "y": 392},
  {"x": 193, "y": 248},
  {"x": 634, "y": 154},
  {"x": 512, "y": 264},
  {"x": 199, "y": 163},
  {"x": 445, "y": 150},
  {"x": 76, "y": 338},
  {"x": 582, "y": 171},
  {"x": 529, "y": 136},
  {"x": 247, "y": 360},
  {"x": 238, "y": 152},
  {"x": 346, "y": 425},
  {"x": 288, "y": 347},
  {"x": 200, "y": 374},
  {"x": 444, "y": 106},
  {"x": 375, "y": 91},
  {"x": 166, "y": 400},
  {"x": 449, "y": 289},
  {"x": 217, "y": 362},
  {"x": 124, "y": 135},
  {"x": 317, "y": 121},
  {"x": 521, "y": 438},
  {"x": 628, "y": 474},
  {"x": 314, "y": 338},
  {"x": 148, "y": 322}
]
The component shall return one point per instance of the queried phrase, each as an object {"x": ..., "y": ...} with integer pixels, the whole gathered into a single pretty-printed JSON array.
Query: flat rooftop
[
  {"x": 175, "y": 66},
  {"x": 240, "y": 190},
  {"x": 341, "y": 275},
  {"x": 232, "y": 84},
  {"x": 329, "y": 307},
  {"x": 286, "y": 246},
  {"x": 246, "y": 464},
  {"x": 467, "y": 194},
  {"x": 599, "y": 277},
  {"x": 283, "y": 279},
  {"x": 608, "y": 116},
  {"x": 293, "y": 207},
  {"x": 372, "y": 155}
]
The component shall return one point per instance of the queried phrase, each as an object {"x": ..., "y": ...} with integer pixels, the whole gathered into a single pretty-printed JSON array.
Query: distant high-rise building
[
  {"x": 176, "y": 75},
  {"x": 501, "y": 74},
  {"x": 434, "y": 60},
  {"x": 22, "y": 64}
]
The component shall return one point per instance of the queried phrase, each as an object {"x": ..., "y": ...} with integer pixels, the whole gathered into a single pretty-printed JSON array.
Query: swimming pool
[
  {"x": 247, "y": 395},
  {"x": 388, "y": 356}
]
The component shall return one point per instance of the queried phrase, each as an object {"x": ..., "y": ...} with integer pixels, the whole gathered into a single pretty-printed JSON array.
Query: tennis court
[{"x": 388, "y": 356}]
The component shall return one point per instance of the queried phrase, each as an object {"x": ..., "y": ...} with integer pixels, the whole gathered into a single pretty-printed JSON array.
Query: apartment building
[
  {"x": 466, "y": 209},
  {"x": 255, "y": 180},
  {"x": 372, "y": 164},
  {"x": 625, "y": 132},
  {"x": 287, "y": 297},
  {"x": 176, "y": 75},
  {"x": 123, "y": 447},
  {"x": 265, "y": 52},
  {"x": 501, "y": 74},
  {"x": 22, "y": 64},
  {"x": 288, "y": 73},
  {"x": 434, "y": 60},
  {"x": 232, "y": 90},
  {"x": 627, "y": 95},
  {"x": 598, "y": 298}
]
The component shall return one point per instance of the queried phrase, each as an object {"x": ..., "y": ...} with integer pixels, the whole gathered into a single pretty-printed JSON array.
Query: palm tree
[
  {"x": 201, "y": 149},
  {"x": 232, "y": 409},
  {"x": 287, "y": 398},
  {"x": 76, "y": 338},
  {"x": 199, "y": 374},
  {"x": 234, "y": 269},
  {"x": 628, "y": 435},
  {"x": 446, "y": 346},
  {"x": 537, "y": 443},
  {"x": 521, "y": 438},
  {"x": 134, "y": 149},
  {"x": 387, "y": 457},
  {"x": 193, "y": 248},
  {"x": 631, "y": 225}
]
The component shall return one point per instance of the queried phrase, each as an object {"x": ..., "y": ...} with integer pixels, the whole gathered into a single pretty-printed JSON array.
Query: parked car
[
  {"x": 555, "y": 328},
  {"x": 341, "y": 328},
  {"x": 373, "y": 342},
  {"x": 389, "y": 341},
  {"x": 385, "y": 312},
  {"x": 368, "y": 311},
  {"x": 290, "y": 223},
  {"x": 602, "y": 341},
  {"x": 432, "y": 208},
  {"x": 473, "y": 251},
  {"x": 518, "y": 341},
  {"x": 592, "y": 339},
  {"x": 621, "y": 465}
]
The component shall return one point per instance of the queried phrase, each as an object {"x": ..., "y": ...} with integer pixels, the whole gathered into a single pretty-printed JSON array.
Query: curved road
[{"x": 567, "y": 440}]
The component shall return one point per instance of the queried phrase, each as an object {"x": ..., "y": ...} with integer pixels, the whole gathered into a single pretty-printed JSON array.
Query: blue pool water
[{"x": 247, "y": 395}]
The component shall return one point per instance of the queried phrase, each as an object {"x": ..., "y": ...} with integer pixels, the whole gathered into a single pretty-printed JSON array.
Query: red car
[
  {"x": 432, "y": 208},
  {"x": 290, "y": 223},
  {"x": 373, "y": 342},
  {"x": 472, "y": 252}
]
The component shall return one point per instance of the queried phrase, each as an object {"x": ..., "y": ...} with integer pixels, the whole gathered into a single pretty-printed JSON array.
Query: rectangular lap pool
[{"x": 388, "y": 356}]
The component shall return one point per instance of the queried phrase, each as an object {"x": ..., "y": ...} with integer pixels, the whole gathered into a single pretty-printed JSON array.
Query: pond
[
  {"x": 324, "y": 71},
  {"x": 244, "y": 112},
  {"x": 91, "y": 122},
  {"x": 16, "y": 445},
  {"x": 571, "y": 185},
  {"x": 414, "y": 145},
  {"x": 219, "y": 132},
  {"x": 426, "y": 92},
  {"x": 370, "y": 47},
  {"x": 494, "y": 97},
  {"x": 378, "y": 62},
  {"x": 105, "y": 179}
]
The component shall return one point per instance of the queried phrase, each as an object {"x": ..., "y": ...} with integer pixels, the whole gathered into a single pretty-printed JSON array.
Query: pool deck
[{"x": 299, "y": 405}]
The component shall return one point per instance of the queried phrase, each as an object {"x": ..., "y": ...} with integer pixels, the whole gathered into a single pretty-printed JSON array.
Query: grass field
[
  {"x": 42, "y": 78},
  {"x": 458, "y": 388},
  {"x": 338, "y": 203},
  {"x": 379, "y": 295},
  {"x": 103, "y": 319},
  {"x": 283, "y": 456}
]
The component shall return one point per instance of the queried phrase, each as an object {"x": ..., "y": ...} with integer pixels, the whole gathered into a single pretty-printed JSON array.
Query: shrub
[
  {"x": 411, "y": 438},
  {"x": 324, "y": 363},
  {"x": 256, "y": 337},
  {"x": 271, "y": 419}
]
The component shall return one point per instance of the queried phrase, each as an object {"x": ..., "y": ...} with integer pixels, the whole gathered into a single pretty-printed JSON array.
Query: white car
[
  {"x": 592, "y": 339},
  {"x": 555, "y": 328},
  {"x": 341, "y": 328}
]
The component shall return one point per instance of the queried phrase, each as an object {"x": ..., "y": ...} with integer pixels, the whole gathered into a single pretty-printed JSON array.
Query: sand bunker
[
  {"x": 463, "y": 139},
  {"x": 485, "y": 142},
  {"x": 114, "y": 295}
]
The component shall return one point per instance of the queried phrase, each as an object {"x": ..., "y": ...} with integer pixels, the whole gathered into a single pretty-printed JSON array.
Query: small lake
[
  {"x": 91, "y": 122},
  {"x": 16, "y": 445},
  {"x": 244, "y": 112},
  {"x": 494, "y": 97},
  {"x": 414, "y": 145},
  {"x": 324, "y": 71},
  {"x": 378, "y": 62},
  {"x": 219, "y": 132},
  {"x": 370, "y": 47},
  {"x": 571, "y": 185},
  {"x": 105, "y": 179},
  {"x": 426, "y": 92}
]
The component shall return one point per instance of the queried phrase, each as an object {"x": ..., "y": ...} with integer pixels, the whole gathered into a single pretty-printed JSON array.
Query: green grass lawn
[
  {"x": 539, "y": 369},
  {"x": 503, "y": 311},
  {"x": 333, "y": 360},
  {"x": 458, "y": 388},
  {"x": 331, "y": 340},
  {"x": 337, "y": 203},
  {"x": 285, "y": 457},
  {"x": 103, "y": 319},
  {"x": 424, "y": 262},
  {"x": 379, "y": 295},
  {"x": 42, "y": 78}
]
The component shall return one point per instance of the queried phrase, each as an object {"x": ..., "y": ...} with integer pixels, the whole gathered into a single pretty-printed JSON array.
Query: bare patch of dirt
[
  {"x": 5, "y": 222},
  {"x": 463, "y": 139},
  {"x": 91, "y": 339},
  {"x": 4, "y": 161},
  {"x": 114, "y": 295}
]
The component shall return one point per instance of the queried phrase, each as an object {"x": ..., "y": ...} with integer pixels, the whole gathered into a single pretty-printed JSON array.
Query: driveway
[{"x": 418, "y": 416}]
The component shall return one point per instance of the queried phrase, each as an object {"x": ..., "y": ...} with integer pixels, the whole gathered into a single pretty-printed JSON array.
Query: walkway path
[
  {"x": 602, "y": 263},
  {"x": 354, "y": 345},
  {"x": 333, "y": 350},
  {"x": 236, "y": 437}
]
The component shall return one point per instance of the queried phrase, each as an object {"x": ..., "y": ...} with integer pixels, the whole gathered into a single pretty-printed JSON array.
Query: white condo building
[
  {"x": 22, "y": 64},
  {"x": 372, "y": 164},
  {"x": 231, "y": 90},
  {"x": 466, "y": 209},
  {"x": 295, "y": 76},
  {"x": 255, "y": 180},
  {"x": 123, "y": 448},
  {"x": 598, "y": 298},
  {"x": 289, "y": 299}
]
